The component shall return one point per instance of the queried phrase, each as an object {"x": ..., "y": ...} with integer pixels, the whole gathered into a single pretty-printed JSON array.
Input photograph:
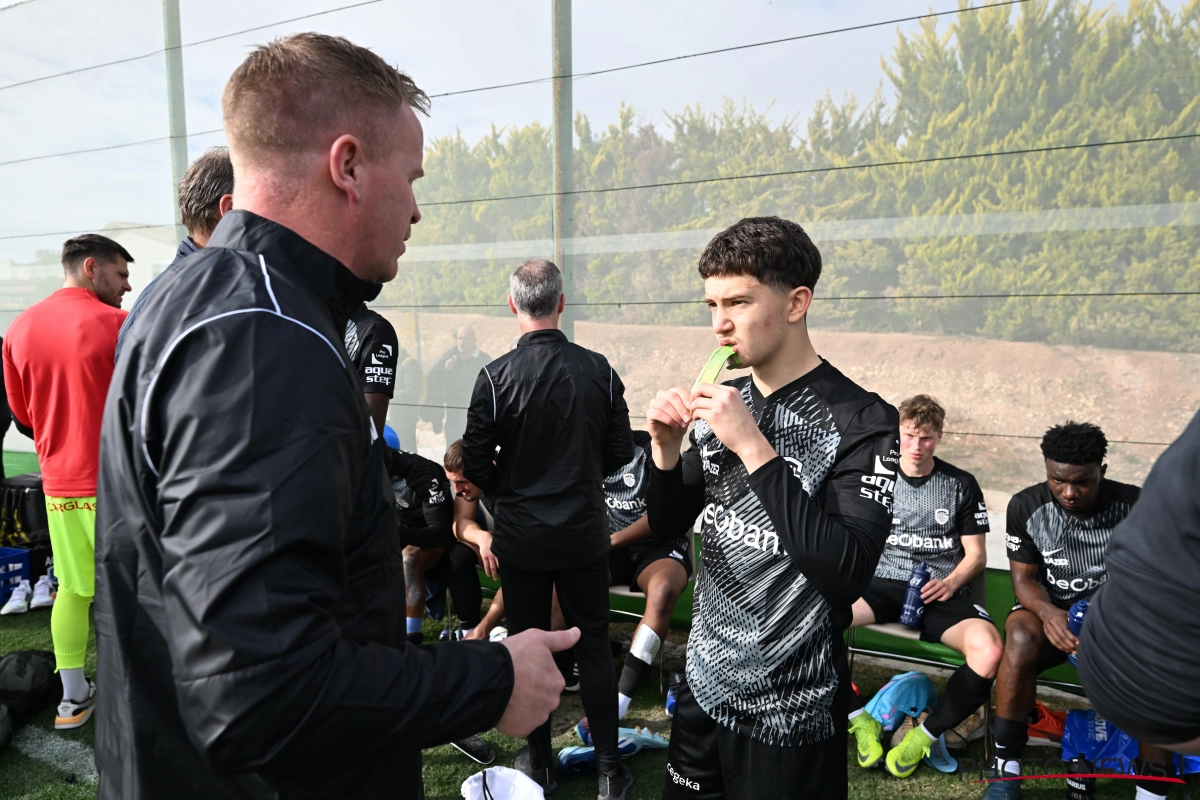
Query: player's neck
[
  {"x": 794, "y": 359},
  {"x": 916, "y": 469},
  {"x": 530, "y": 324}
]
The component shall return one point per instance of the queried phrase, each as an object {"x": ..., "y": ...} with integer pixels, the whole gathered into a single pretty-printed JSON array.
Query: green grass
[{"x": 27, "y": 778}]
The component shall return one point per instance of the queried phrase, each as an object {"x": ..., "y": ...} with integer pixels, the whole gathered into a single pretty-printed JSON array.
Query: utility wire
[
  {"x": 951, "y": 433},
  {"x": 754, "y": 176},
  {"x": 670, "y": 59},
  {"x": 189, "y": 44},
  {"x": 109, "y": 147},
  {"x": 498, "y": 86},
  {"x": 977, "y": 296},
  {"x": 817, "y": 170}
]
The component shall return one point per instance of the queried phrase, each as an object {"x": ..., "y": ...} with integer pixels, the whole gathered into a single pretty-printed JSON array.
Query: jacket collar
[
  {"x": 286, "y": 250},
  {"x": 542, "y": 337},
  {"x": 186, "y": 248}
]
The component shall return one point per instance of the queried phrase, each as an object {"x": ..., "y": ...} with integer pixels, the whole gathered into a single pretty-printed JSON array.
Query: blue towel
[{"x": 910, "y": 693}]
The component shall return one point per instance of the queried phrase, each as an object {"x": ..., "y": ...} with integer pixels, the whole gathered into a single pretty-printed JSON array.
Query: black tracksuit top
[
  {"x": 249, "y": 589},
  {"x": 557, "y": 413}
]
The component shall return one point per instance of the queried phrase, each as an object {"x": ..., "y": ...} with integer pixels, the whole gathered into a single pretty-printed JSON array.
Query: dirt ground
[{"x": 987, "y": 386}]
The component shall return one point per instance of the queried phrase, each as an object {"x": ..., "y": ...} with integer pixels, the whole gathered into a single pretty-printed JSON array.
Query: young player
[
  {"x": 1058, "y": 532},
  {"x": 425, "y": 507},
  {"x": 938, "y": 517},
  {"x": 792, "y": 471}
]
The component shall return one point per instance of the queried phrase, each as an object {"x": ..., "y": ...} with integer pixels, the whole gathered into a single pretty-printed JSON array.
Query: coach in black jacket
[
  {"x": 557, "y": 413},
  {"x": 250, "y": 605}
]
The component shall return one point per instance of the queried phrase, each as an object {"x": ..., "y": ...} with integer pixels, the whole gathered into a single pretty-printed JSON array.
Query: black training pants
[{"x": 583, "y": 597}]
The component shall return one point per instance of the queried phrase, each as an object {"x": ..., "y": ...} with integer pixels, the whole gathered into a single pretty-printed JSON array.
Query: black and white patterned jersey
[
  {"x": 625, "y": 493},
  {"x": 625, "y": 489},
  {"x": 372, "y": 345},
  {"x": 424, "y": 501},
  {"x": 930, "y": 515},
  {"x": 1067, "y": 546},
  {"x": 784, "y": 553}
]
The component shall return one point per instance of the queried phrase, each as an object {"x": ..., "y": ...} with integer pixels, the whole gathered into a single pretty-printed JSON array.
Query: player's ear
[
  {"x": 1103, "y": 470},
  {"x": 799, "y": 299}
]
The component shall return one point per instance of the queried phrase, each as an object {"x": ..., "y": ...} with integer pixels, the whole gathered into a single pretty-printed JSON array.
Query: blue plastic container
[{"x": 14, "y": 568}]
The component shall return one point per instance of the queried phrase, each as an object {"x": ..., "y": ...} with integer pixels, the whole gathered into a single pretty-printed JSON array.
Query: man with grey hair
[
  {"x": 205, "y": 195},
  {"x": 557, "y": 413}
]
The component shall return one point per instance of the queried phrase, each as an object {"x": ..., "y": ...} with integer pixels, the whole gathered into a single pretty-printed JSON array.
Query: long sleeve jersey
[{"x": 784, "y": 554}]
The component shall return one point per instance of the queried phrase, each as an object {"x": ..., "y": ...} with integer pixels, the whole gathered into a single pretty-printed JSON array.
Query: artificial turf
[{"x": 61, "y": 772}]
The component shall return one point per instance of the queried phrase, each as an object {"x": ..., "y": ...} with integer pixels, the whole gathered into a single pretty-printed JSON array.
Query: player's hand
[
  {"x": 936, "y": 590},
  {"x": 537, "y": 683},
  {"x": 669, "y": 415},
  {"x": 723, "y": 408},
  {"x": 1055, "y": 626},
  {"x": 491, "y": 564},
  {"x": 476, "y": 634}
]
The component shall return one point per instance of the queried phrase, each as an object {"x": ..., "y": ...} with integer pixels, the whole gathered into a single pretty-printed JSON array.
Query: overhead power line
[
  {"x": 818, "y": 298},
  {"x": 817, "y": 170},
  {"x": 670, "y": 59},
  {"x": 160, "y": 51},
  {"x": 497, "y": 86},
  {"x": 951, "y": 433},
  {"x": 752, "y": 176},
  {"x": 108, "y": 147}
]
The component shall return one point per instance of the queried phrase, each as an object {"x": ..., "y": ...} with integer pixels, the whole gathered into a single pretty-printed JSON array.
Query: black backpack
[
  {"x": 28, "y": 683},
  {"x": 23, "y": 511}
]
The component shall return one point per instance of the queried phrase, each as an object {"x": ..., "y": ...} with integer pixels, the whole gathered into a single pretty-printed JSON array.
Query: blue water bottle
[
  {"x": 914, "y": 606},
  {"x": 1075, "y": 623}
]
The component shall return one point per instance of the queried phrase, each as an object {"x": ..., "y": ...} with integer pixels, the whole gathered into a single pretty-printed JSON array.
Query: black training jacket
[
  {"x": 557, "y": 413},
  {"x": 249, "y": 590}
]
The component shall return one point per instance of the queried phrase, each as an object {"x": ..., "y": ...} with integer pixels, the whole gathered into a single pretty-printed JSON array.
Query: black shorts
[
  {"x": 625, "y": 564},
  {"x": 886, "y": 599},
  {"x": 1056, "y": 656},
  {"x": 706, "y": 761}
]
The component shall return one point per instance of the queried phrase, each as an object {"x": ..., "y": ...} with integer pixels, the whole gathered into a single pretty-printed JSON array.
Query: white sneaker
[
  {"x": 43, "y": 593},
  {"x": 18, "y": 603},
  {"x": 74, "y": 713}
]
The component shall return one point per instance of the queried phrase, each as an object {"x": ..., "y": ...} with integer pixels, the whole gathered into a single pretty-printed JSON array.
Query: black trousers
[
  {"x": 583, "y": 597},
  {"x": 707, "y": 761}
]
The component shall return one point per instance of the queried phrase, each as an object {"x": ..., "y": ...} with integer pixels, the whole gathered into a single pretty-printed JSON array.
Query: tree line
[{"x": 1053, "y": 73}]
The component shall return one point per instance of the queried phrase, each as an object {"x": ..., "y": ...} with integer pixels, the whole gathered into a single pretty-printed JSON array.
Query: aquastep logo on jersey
[{"x": 737, "y": 530}]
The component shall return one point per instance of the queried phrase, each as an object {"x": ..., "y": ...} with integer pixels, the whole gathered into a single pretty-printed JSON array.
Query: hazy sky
[{"x": 445, "y": 46}]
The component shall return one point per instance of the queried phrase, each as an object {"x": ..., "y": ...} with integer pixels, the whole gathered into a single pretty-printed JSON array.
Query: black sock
[
  {"x": 416, "y": 638},
  {"x": 633, "y": 675},
  {"x": 856, "y": 702},
  {"x": 1011, "y": 737},
  {"x": 1156, "y": 769},
  {"x": 966, "y": 691}
]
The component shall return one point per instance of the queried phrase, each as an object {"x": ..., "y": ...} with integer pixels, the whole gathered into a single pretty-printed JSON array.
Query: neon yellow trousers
[{"x": 72, "y": 523}]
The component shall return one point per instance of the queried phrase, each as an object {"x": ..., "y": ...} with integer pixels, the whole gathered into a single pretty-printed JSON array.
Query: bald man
[
  {"x": 250, "y": 603},
  {"x": 450, "y": 383}
]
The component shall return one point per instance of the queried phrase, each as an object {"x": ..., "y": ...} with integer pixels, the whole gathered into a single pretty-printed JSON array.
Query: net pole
[
  {"x": 563, "y": 146},
  {"x": 176, "y": 110}
]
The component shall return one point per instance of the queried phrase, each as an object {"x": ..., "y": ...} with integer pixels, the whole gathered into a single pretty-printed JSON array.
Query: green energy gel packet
[{"x": 716, "y": 362}]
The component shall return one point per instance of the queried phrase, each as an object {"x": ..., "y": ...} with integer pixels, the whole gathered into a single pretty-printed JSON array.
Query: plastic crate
[{"x": 14, "y": 568}]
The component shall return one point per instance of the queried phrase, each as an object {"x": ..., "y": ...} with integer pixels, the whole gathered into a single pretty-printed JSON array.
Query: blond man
[
  {"x": 939, "y": 518},
  {"x": 250, "y": 603}
]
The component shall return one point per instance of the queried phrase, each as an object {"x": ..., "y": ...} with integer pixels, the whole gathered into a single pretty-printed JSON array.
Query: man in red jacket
[{"x": 58, "y": 361}]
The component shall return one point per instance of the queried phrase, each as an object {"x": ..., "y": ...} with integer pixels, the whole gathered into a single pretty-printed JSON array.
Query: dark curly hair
[{"x": 1077, "y": 443}]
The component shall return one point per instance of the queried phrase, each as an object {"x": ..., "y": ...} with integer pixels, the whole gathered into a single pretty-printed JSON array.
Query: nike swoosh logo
[{"x": 1052, "y": 552}]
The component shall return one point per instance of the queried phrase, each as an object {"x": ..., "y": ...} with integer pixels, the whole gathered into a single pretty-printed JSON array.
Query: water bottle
[
  {"x": 1079, "y": 788},
  {"x": 914, "y": 606},
  {"x": 1075, "y": 623}
]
